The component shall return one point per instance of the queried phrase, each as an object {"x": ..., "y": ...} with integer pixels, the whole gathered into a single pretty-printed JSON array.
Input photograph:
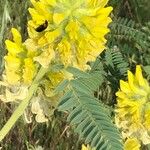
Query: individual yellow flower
[
  {"x": 15, "y": 48},
  {"x": 29, "y": 70},
  {"x": 76, "y": 28},
  {"x": 132, "y": 144},
  {"x": 133, "y": 107},
  {"x": 46, "y": 56},
  {"x": 12, "y": 68}
]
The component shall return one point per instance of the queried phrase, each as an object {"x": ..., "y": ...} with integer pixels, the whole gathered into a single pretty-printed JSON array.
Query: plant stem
[{"x": 22, "y": 106}]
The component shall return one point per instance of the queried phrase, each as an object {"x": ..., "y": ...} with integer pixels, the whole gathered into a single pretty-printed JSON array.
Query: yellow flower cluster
[
  {"x": 133, "y": 108},
  {"x": 61, "y": 32},
  {"x": 70, "y": 31}
]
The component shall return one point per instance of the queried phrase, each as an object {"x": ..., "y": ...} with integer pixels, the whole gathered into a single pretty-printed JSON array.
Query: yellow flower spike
[
  {"x": 133, "y": 107},
  {"x": 18, "y": 62},
  {"x": 82, "y": 23},
  {"x": 132, "y": 144}
]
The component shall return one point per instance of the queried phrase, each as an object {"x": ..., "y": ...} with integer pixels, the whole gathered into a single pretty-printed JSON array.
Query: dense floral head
[
  {"x": 133, "y": 107},
  {"x": 74, "y": 29}
]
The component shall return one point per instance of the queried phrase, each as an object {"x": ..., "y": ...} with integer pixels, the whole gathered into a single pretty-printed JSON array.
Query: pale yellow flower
[
  {"x": 46, "y": 57},
  {"x": 37, "y": 109},
  {"x": 13, "y": 93},
  {"x": 133, "y": 107}
]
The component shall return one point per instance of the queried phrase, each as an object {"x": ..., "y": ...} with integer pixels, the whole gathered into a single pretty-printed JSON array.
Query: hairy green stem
[{"x": 22, "y": 106}]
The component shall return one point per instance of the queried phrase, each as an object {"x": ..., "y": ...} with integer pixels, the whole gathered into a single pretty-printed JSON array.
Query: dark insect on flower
[{"x": 42, "y": 27}]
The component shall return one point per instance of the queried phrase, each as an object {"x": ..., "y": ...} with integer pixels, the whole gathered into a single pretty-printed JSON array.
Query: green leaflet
[
  {"x": 77, "y": 73},
  {"x": 89, "y": 117}
]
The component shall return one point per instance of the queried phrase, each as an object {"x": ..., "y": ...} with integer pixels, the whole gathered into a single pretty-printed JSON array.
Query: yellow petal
[
  {"x": 16, "y": 36},
  {"x": 124, "y": 86},
  {"x": 132, "y": 82},
  {"x": 139, "y": 76},
  {"x": 39, "y": 18}
]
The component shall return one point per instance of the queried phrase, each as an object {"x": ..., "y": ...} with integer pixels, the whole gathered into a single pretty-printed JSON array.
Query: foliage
[{"x": 91, "y": 119}]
